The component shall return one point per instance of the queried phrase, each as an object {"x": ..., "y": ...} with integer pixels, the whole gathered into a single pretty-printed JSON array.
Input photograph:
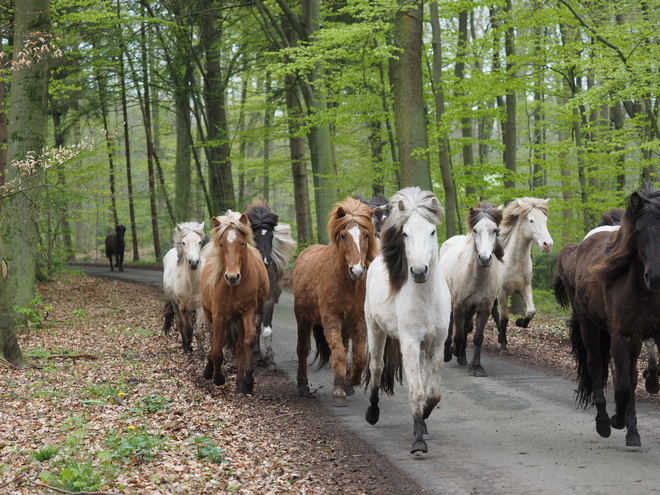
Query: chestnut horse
[
  {"x": 329, "y": 289},
  {"x": 612, "y": 280},
  {"x": 234, "y": 287}
]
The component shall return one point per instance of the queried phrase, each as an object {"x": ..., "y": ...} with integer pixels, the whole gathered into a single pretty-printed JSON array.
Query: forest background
[{"x": 149, "y": 113}]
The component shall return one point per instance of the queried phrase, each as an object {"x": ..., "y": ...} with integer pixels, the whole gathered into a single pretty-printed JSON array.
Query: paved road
[{"x": 516, "y": 431}]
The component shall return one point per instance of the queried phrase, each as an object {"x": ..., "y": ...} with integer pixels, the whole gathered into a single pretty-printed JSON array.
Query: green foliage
[
  {"x": 80, "y": 313},
  {"x": 206, "y": 450},
  {"x": 150, "y": 404},
  {"x": 134, "y": 445},
  {"x": 34, "y": 314},
  {"x": 75, "y": 476},
  {"x": 45, "y": 454}
]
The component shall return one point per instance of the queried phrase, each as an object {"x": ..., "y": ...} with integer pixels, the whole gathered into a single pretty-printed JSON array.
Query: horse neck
[{"x": 517, "y": 245}]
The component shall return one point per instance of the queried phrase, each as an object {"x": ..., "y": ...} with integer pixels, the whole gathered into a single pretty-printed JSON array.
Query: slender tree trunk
[
  {"x": 466, "y": 121},
  {"x": 267, "y": 119},
  {"x": 443, "y": 146},
  {"x": 618, "y": 119},
  {"x": 100, "y": 83},
  {"x": 510, "y": 137},
  {"x": 60, "y": 141},
  {"x": 409, "y": 111},
  {"x": 3, "y": 126},
  {"x": 27, "y": 134}
]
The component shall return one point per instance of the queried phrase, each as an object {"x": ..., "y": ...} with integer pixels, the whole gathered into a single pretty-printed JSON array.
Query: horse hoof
[
  {"x": 633, "y": 440},
  {"x": 304, "y": 392},
  {"x": 522, "y": 323},
  {"x": 462, "y": 360},
  {"x": 372, "y": 415},
  {"x": 478, "y": 372},
  {"x": 603, "y": 429},
  {"x": 208, "y": 371},
  {"x": 651, "y": 383},
  {"x": 448, "y": 356},
  {"x": 219, "y": 380},
  {"x": 419, "y": 446},
  {"x": 242, "y": 388},
  {"x": 504, "y": 352},
  {"x": 339, "y": 401},
  {"x": 349, "y": 390}
]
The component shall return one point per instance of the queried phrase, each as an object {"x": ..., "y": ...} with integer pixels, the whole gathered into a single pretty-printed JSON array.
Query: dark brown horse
[
  {"x": 274, "y": 242},
  {"x": 612, "y": 280},
  {"x": 329, "y": 289},
  {"x": 234, "y": 287},
  {"x": 115, "y": 246}
]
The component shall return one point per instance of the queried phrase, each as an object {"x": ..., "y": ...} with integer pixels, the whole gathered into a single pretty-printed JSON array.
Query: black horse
[
  {"x": 114, "y": 244},
  {"x": 381, "y": 208}
]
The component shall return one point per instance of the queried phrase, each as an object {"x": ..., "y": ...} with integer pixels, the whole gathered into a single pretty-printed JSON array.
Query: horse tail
[
  {"x": 392, "y": 365},
  {"x": 585, "y": 390},
  {"x": 560, "y": 293},
  {"x": 322, "y": 347},
  {"x": 168, "y": 316}
]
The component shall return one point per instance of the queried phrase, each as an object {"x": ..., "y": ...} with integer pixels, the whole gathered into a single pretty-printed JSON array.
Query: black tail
[
  {"x": 585, "y": 390},
  {"x": 322, "y": 347},
  {"x": 392, "y": 367},
  {"x": 560, "y": 294},
  {"x": 168, "y": 315}
]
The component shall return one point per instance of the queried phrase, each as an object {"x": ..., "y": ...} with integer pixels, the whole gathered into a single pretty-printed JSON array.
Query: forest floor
[{"x": 107, "y": 404}]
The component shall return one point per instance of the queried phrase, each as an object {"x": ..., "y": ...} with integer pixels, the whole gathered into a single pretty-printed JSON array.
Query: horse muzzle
[
  {"x": 357, "y": 272},
  {"x": 232, "y": 279},
  {"x": 485, "y": 261},
  {"x": 192, "y": 264},
  {"x": 652, "y": 280},
  {"x": 420, "y": 276}
]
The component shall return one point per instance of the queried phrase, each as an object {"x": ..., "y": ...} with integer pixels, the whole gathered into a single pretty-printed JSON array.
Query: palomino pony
[
  {"x": 182, "y": 268},
  {"x": 329, "y": 288},
  {"x": 115, "y": 246},
  {"x": 234, "y": 288},
  {"x": 524, "y": 222},
  {"x": 276, "y": 246},
  {"x": 408, "y": 308},
  {"x": 473, "y": 267},
  {"x": 616, "y": 306}
]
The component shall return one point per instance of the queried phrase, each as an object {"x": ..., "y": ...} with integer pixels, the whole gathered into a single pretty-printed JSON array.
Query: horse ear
[
  {"x": 401, "y": 205},
  {"x": 201, "y": 227},
  {"x": 215, "y": 222},
  {"x": 340, "y": 212},
  {"x": 244, "y": 219}
]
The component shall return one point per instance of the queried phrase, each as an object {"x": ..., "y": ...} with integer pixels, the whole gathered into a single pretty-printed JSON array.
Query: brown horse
[
  {"x": 329, "y": 289},
  {"x": 234, "y": 287},
  {"x": 612, "y": 280}
]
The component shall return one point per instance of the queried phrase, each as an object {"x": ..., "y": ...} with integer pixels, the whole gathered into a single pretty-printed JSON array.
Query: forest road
[{"x": 516, "y": 431}]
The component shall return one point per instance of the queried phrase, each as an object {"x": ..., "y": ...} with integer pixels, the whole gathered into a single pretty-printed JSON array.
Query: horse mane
[
  {"x": 517, "y": 210},
  {"x": 181, "y": 231},
  {"x": 486, "y": 209},
  {"x": 392, "y": 245},
  {"x": 353, "y": 210},
  {"x": 211, "y": 252},
  {"x": 283, "y": 248},
  {"x": 623, "y": 246},
  {"x": 611, "y": 217},
  {"x": 261, "y": 216}
]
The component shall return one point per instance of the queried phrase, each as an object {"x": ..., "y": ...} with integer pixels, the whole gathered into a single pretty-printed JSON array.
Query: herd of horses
[{"x": 381, "y": 298}]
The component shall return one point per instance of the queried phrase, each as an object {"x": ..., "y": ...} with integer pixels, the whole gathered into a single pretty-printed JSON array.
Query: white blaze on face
[
  {"x": 231, "y": 236},
  {"x": 355, "y": 233},
  {"x": 263, "y": 231}
]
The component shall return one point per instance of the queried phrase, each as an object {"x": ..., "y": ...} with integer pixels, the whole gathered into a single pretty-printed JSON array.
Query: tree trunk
[
  {"x": 466, "y": 121},
  {"x": 510, "y": 137},
  {"x": 409, "y": 111},
  {"x": 443, "y": 146},
  {"x": 267, "y": 120},
  {"x": 19, "y": 240}
]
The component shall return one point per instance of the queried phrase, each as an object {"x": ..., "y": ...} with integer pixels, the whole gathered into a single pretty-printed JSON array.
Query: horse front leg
[
  {"x": 530, "y": 309},
  {"x": 448, "y": 340},
  {"x": 475, "y": 365},
  {"x": 359, "y": 339},
  {"x": 410, "y": 352},
  {"x": 332, "y": 330},
  {"x": 268, "y": 357},
  {"x": 502, "y": 302},
  {"x": 302, "y": 349},
  {"x": 215, "y": 357},
  {"x": 651, "y": 372},
  {"x": 247, "y": 337},
  {"x": 186, "y": 329},
  {"x": 625, "y": 378},
  {"x": 462, "y": 324},
  {"x": 432, "y": 379},
  {"x": 594, "y": 369},
  {"x": 376, "y": 340}
]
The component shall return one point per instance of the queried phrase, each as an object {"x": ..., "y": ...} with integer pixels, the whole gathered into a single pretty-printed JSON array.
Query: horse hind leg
[
  {"x": 375, "y": 373},
  {"x": 302, "y": 349},
  {"x": 475, "y": 365},
  {"x": 651, "y": 372},
  {"x": 339, "y": 363},
  {"x": 530, "y": 310},
  {"x": 269, "y": 358},
  {"x": 419, "y": 429}
]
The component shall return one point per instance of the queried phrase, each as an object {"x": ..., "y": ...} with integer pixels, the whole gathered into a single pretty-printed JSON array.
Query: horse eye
[
  {"x": 405, "y": 235},
  {"x": 343, "y": 237},
  {"x": 497, "y": 231},
  {"x": 432, "y": 233},
  {"x": 531, "y": 220},
  {"x": 183, "y": 242},
  {"x": 366, "y": 236},
  {"x": 242, "y": 244}
]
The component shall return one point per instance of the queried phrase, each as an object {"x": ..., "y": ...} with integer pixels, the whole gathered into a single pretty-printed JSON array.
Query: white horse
[
  {"x": 407, "y": 308},
  {"x": 473, "y": 267},
  {"x": 182, "y": 268},
  {"x": 525, "y": 221}
]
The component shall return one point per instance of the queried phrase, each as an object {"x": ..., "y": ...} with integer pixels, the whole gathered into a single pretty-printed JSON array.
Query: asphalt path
[{"x": 516, "y": 431}]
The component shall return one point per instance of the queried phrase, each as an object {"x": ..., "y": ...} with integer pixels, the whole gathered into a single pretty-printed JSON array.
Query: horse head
[
  {"x": 352, "y": 231},
  {"x": 263, "y": 222},
  {"x": 233, "y": 238},
  {"x": 121, "y": 231},
  {"x": 644, "y": 215},
  {"x": 535, "y": 222},
  {"x": 188, "y": 239},
  {"x": 484, "y": 227}
]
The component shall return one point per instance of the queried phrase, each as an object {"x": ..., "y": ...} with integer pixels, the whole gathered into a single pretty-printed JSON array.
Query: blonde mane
[
  {"x": 212, "y": 251},
  {"x": 518, "y": 210}
]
